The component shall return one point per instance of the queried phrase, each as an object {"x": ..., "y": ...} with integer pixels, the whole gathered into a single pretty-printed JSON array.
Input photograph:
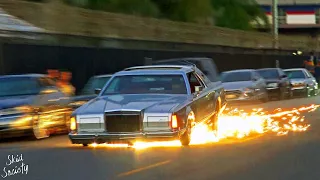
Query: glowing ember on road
[{"x": 234, "y": 123}]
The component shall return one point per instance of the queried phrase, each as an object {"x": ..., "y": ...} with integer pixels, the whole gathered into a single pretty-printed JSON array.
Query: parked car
[
  {"x": 206, "y": 65},
  {"x": 32, "y": 105},
  {"x": 302, "y": 82},
  {"x": 88, "y": 92},
  {"x": 244, "y": 85},
  {"x": 149, "y": 102},
  {"x": 278, "y": 84}
]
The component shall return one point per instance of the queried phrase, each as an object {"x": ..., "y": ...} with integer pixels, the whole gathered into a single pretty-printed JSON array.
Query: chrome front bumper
[{"x": 89, "y": 138}]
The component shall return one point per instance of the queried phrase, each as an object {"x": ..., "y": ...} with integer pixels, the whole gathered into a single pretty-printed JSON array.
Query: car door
[
  {"x": 285, "y": 82},
  {"x": 53, "y": 103},
  {"x": 211, "y": 94},
  {"x": 259, "y": 85},
  {"x": 199, "y": 100}
]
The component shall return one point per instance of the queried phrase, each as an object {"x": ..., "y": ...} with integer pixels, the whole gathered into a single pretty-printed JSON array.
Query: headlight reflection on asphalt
[{"x": 238, "y": 124}]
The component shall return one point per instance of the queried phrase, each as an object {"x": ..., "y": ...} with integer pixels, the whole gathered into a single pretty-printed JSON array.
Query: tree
[
  {"x": 238, "y": 14},
  {"x": 136, "y": 7},
  {"x": 185, "y": 10}
]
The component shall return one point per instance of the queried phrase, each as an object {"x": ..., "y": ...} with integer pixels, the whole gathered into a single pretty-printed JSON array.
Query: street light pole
[{"x": 275, "y": 23}]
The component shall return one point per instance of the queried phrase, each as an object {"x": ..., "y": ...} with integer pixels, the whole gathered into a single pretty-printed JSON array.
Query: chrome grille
[{"x": 123, "y": 121}]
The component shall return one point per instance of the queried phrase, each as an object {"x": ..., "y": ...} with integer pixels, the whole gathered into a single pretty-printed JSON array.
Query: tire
[
  {"x": 306, "y": 93},
  {"x": 290, "y": 95},
  {"x": 185, "y": 139},
  {"x": 85, "y": 145},
  {"x": 314, "y": 92},
  {"x": 265, "y": 98},
  {"x": 281, "y": 95},
  {"x": 38, "y": 131}
]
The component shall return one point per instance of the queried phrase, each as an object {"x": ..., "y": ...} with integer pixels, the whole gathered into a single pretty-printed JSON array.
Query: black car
[
  {"x": 32, "y": 105},
  {"x": 206, "y": 65},
  {"x": 278, "y": 84},
  {"x": 95, "y": 84}
]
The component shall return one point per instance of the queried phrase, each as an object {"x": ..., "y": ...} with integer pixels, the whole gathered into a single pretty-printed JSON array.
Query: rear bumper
[{"x": 99, "y": 138}]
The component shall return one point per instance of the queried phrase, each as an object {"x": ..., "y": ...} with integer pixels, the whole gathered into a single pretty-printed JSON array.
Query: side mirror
[
  {"x": 255, "y": 79},
  {"x": 49, "y": 91},
  {"x": 97, "y": 91},
  {"x": 284, "y": 76},
  {"x": 198, "y": 89}
]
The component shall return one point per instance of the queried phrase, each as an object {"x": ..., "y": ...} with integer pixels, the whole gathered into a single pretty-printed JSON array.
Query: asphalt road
[{"x": 267, "y": 157}]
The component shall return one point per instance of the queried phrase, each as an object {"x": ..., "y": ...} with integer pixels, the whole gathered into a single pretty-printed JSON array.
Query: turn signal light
[
  {"x": 174, "y": 121},
  {"x": 73, "y": 124}
]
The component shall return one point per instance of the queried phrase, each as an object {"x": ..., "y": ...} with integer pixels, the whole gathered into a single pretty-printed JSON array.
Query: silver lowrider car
[
  {"x": 244, "y": 85},
  {"x": 302, "y": 81},
  {"x": 159, "y": 102}
]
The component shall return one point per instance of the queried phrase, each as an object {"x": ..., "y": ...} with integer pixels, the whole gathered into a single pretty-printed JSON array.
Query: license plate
[{"x": 230, "y": 96}]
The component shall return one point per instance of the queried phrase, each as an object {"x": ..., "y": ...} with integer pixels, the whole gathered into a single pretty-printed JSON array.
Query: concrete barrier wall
[{"x": 86, "y": 62}]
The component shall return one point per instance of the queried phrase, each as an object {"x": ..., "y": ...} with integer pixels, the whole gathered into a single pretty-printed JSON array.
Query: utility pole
[{"x": 275, "y": 24}]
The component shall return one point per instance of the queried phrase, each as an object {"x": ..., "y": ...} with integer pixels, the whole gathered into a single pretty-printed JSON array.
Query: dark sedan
[
  {"x": 278, "y": 84},
  {"x": 88, "y": 92},
  {"x": 31, "y": 105}
]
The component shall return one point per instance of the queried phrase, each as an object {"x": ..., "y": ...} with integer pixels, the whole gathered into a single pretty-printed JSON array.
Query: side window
[
  {"x": 281, "y": 73},
  {"x": 255, "y": 75},
  {"x": 203, "y": 77},
  {"x": 309, "y": 75},
  {"x": 194, "y": 81},
  {"x": 113, "y": 86}
]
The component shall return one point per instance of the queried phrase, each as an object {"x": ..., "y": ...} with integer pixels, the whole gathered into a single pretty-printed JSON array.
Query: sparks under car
[{"x": 160, "y": 102}]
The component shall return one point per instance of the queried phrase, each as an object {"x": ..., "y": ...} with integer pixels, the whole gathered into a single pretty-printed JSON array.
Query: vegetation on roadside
[{"x": 235, "y": 14}]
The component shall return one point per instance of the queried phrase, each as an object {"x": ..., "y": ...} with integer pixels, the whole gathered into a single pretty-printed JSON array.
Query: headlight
[
  {"x": 248, "y": 90},
  {"x": 77, "y": 103},
  {"x": 73, "y": 124},
  {"x": 16, "y": 110},
  {"x": 273, "y": 85}
]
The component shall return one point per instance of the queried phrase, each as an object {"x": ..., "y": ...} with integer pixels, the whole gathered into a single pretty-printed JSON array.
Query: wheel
[
  {"x": 314, "y": 92},
  {"x": 84, "y": 145},
  {"x": 265, "y": 98},
  {"x": 39, "y": 132},
  {"x": 185, "y": 139},
  {"x": 289, "y": 94},
  {"x": 306, "y": 93},
  {"x": 281, "y": 95}
]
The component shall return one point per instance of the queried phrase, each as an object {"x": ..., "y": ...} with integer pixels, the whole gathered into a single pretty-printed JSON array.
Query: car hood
[
  {"x": 298, "y": 80},
  {"x": 83, "y": 98},
  {"x": 237, "y": 85},
  {"x": 15, "y": 101},
  {"x": 272, "y": 80},
  {"x": 148, "y": 103}
]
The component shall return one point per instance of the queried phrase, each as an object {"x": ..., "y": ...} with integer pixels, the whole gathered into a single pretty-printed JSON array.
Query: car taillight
[
  {"x": 73, "y": 124},
  {"x": 174, "y": 121}
]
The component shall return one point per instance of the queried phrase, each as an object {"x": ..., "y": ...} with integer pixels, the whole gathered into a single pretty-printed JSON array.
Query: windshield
[
  {"x": 147, "y": 84},
  {"x": 93, "y": 83},
  {"x": 18, "y": 87},
  {"x": 269, "y": 73},
  {"x": 235, "y": 76},
  {"x": 295, "y": 74}
]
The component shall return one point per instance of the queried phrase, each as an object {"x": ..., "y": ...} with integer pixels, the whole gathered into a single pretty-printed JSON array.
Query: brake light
[
  {"x": 174, "y": 121},
  {"x": 73, "y": 124}
]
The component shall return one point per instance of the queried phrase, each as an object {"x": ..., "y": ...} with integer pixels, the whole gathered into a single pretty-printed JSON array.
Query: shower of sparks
[{"x": 235, "y": 123}]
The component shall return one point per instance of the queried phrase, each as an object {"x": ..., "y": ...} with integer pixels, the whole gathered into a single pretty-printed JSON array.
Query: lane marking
[{"x": 143, "y": 168}]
